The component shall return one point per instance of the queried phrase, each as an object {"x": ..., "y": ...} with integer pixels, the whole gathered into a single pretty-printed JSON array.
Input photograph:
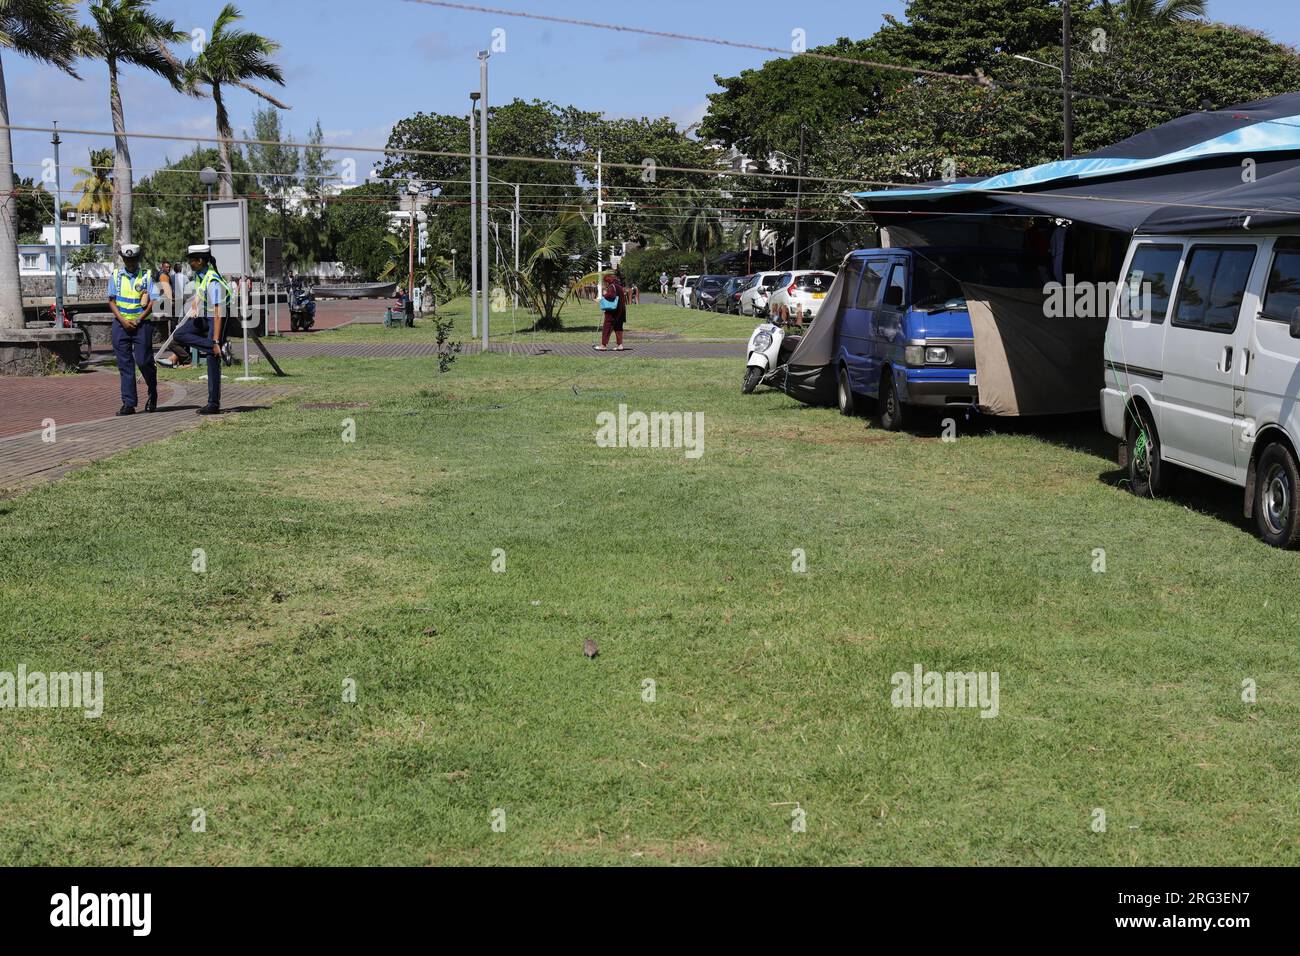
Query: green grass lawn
[
  {"x": 372, "y": 561},
  {"x": 582, "y": 322}
]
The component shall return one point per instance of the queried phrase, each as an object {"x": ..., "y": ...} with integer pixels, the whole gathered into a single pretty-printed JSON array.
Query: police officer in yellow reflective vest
[
  {"x": 203, "y": 330},
  {"x": 131, "y": 291}
]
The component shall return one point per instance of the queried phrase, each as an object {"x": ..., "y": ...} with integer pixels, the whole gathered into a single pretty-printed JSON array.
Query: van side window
[
  {"x": 869, "y": 287},
  {"x": 1150, "y": 273},
  {"x": 1283, "y": 295},
  {"x": 898, "y": 280},
  {"x": 1214, "y": 283}
]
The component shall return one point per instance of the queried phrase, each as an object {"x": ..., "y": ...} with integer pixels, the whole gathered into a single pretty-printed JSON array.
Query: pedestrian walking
[{"x": 613, "y": 303}]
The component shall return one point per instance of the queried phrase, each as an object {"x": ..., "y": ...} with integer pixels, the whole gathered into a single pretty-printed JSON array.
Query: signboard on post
[
  {"x": 225, "y": 229},
  {"x": 273, "y": 259}
]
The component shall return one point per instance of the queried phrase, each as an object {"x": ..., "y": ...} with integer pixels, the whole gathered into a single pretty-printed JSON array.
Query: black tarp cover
[{"x": 1217, "y": 171}]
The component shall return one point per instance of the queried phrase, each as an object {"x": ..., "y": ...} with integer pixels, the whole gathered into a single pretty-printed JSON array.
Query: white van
[{"x": 1205, "y": 373}]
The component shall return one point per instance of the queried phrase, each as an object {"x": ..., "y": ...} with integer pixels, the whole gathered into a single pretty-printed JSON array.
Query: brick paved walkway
[
  {"x": 25, "y": 459},
  {"x": 26, "y": 402}
]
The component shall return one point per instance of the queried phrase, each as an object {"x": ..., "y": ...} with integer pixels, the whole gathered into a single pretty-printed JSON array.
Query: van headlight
[
  {"x": 923, "y": 354},
  {"x": 762, "y": 341}
]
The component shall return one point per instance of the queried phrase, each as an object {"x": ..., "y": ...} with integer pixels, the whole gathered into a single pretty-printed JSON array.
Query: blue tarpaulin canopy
[{"x": 1214, "y": 171}]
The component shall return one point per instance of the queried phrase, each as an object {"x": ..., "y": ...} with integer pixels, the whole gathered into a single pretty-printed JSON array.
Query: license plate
[{"x": 819, "y": 295}]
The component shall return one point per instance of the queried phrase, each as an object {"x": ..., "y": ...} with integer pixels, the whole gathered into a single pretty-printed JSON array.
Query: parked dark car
[
  {"x": 706, "y": 290},
  {"x": 728, "y": 300}
]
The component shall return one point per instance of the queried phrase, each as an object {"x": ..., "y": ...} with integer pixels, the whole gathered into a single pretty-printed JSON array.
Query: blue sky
[{"x": 360, "y": 65}]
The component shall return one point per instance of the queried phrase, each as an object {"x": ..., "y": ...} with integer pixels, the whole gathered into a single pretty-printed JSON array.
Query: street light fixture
[
  {"x": 208, "y": 177},
  {"x": 1068, "y": 107}
]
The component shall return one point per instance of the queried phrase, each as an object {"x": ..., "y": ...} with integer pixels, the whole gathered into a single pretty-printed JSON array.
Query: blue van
[{"x": 904, "y": 336}]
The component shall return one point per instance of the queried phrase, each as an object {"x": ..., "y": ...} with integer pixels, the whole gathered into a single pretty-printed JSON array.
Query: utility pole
[
  {"x": 1066, "y": 79},
  {"x": 58, "y": 232},
  {"x": 514, "y": 237},
  {"x": 798, "y": 204},
  {"x": 483, "y": 180},
  {"x": 600, "y": 217},
  {"x": 414, "y": 190},
  {"x": 473, "y": 220}
]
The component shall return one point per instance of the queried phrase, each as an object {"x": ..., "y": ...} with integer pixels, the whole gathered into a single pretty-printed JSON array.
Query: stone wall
[{"x": 43, "y": 287}]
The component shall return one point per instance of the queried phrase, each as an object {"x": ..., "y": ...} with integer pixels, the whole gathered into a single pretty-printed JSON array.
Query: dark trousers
[
  {"x": 197, "y": 334},
  {"x": 135, "y": 350}
]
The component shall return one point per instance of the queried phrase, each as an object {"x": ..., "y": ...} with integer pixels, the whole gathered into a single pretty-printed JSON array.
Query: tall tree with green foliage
[
  {"x": 35, "y": 209},
  {"x": 276, "y": 169},
  {"x": 317, "y": 179},
  {"x": 129, "y": 33},
  {"x": 232, "y": 57},
  {"x": 97, "y": 186},
  {"x": 695, "y": 226},
  {"x": 169, "y": 214},
  {"x": 46, "y": 31},
  {"x": 1162, "y": 12},
  {"x": 357, "y": 221}
]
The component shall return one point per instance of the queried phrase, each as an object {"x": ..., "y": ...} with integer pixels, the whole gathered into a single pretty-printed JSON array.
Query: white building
[{"x": 37, "y": 258}]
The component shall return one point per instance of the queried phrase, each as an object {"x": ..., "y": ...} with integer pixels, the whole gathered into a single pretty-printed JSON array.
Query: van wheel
[
  {"x": 1277, "y": 509},
  {"x": 1148, "y": 474},
  {"x": 844, "y": 392},
  {"x": 891, "y": 407},
  {"x": 753, "y": 375}
]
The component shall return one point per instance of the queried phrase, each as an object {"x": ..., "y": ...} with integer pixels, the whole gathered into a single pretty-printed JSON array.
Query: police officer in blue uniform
[
  {"x": 131, "y": 292},
  {"x": 209, "y": 311}
]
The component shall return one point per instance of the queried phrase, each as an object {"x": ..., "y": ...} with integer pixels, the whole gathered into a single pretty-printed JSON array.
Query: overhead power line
[
  {"x": 445, "y": 154},
  {"x": 979, "y": 79}
]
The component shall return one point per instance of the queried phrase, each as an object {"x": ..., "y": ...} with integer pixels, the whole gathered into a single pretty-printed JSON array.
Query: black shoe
[
  {"x": 126, "y": 410},
  {"x": 210, "y": 410},
  {"x": 152, "y": 404}
]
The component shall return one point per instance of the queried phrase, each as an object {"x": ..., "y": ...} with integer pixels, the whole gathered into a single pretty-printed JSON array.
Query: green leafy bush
[{"x": 642, "y": 267}]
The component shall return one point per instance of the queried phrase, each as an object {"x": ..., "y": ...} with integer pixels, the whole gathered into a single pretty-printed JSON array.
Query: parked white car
[
  {"x": 682, "y": 294},
  {"x": 753, "y": 301},
  {"x": 1202, "y": 358},
  {"x": 799, "y": 294}
]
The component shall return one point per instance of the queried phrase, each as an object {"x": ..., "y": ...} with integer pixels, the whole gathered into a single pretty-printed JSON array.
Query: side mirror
[
  {"x": 893, "y": 297},
  {"x": 1295, "y": 323}
]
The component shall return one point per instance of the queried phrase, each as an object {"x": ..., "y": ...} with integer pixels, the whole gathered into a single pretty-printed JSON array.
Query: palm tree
[
  {"x": 98, "y": 185},
  {"x": 559, "y": 254},
  {"x": 127, "y": 32},
  {"x": 697, "y": 228},
  {"x": 45, "y": 30},
  {"x": 1160, "y": 12},
  {"x": 232, "y": 58}
]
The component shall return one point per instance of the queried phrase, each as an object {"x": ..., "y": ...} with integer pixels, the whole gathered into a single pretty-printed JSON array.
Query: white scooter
[{"x": 764, "y": 354}]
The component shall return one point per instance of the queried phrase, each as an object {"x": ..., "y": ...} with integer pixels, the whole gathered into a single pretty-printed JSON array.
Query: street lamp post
[
  {"x": 58, "y": 232},
  {"x": 414, "y": 189},
  {"x": 1067, "y": 94},
  {"x": 473, "y": 218},
  {"x": 1068, "y": 106},
  {"x": 483, "y": 180}
]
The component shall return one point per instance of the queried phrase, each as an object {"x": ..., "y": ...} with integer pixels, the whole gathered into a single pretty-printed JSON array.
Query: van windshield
[{"x": 938, "y": 276}]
